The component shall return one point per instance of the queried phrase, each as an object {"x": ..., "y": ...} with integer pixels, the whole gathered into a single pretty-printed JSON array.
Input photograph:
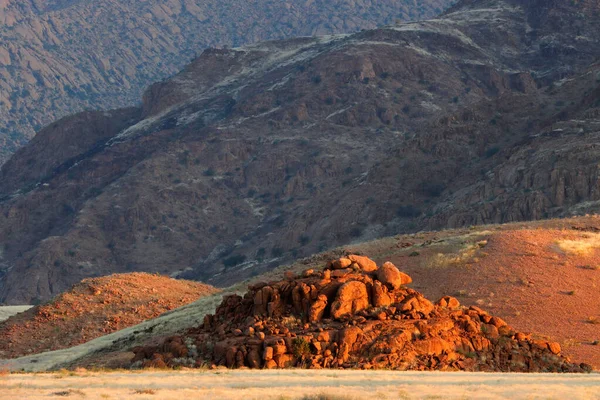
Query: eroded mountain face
[
  {"x": 253, "y": 156},
  {"x": 60, "y": 57}
]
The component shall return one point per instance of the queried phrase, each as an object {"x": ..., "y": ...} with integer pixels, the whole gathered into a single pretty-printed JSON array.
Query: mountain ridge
[
  {"x": 62, "y": 57},
  {"x": 305, "y": 144}
]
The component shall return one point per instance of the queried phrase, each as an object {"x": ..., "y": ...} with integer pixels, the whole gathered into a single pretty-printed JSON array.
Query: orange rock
[
  {"x": 435, "y": 346},
  {"x": 268, "y": 354},
  {"x": 351, "y": 297},
  {"x": 554, "y": 347},
  {"x": 448, "y": 302},
  {"x": 341, "y": 263},
  {"x": 381, "y": 297},
  {"x": 390, "y": 275},
  {"x": 317, "y": 309},
  {"x": 365, "y": 263}
]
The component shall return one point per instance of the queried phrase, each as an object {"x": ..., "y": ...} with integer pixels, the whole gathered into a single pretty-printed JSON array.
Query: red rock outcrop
[{"x": 348, "y": 318}]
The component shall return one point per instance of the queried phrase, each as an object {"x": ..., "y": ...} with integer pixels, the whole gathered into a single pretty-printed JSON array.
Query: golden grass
[
  {"x": 467, "y": 254},
  {"x": 585, "y": 246}
]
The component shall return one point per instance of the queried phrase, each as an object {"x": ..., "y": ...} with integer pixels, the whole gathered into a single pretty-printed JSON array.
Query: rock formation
[{"x": 336, "y": 318}]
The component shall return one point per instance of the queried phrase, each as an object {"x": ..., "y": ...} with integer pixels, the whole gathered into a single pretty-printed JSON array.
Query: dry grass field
[{"x": 297, "y": 384}]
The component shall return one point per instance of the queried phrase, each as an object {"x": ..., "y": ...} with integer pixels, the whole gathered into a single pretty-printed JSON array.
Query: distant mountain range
[
  {"x": 60, "y": 57},
  {"x": 253, "y": 156}
]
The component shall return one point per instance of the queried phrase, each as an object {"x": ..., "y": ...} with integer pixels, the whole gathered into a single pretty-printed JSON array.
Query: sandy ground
[
  {"x": 8, "y": 311},
  {"x": 298, "y": 384}
]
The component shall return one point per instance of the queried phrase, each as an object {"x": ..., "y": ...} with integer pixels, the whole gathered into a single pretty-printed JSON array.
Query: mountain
[
  {"x": 58, "y": 57},
  {"x": 254, "y": 156}
]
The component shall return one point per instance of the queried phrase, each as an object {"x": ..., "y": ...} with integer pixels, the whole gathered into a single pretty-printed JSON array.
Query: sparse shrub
[
  {"x": 65, "y": 393},
  {"x": 356, "y": 232},
  {"x": 209, "y": 172},
  {"x": 414, "y": 254},
  {"x": 276, "y": 251},
  {"x": 408, "y": 211},
  {"x": 144, "y": 391},
  {"x": 234, "y": 260},
  {"x": 491, "y": 151},
  {"x": 433, "y": 189},
  {"x": 300, "y": 347},
  {"x": 304, "y": 240}
]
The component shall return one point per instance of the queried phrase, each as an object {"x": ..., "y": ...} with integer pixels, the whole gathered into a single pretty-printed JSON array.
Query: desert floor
[{"x": 297, "y": 384}]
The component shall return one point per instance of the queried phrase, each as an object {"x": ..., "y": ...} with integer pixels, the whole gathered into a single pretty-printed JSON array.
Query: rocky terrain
[
  {"x": 353, "y": 314},
  {"x": 63, "y": 56},
  {"x": 254, "y": 156},
  {"x": 93, "y": 308}
]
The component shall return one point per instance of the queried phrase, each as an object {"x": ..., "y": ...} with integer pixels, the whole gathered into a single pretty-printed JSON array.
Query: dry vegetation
[
  {"x": 583, "y": 246},
  {"x": 298, "y": 385}
]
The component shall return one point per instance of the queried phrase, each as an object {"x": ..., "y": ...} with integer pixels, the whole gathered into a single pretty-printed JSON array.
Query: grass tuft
[
  {"x": 584, "y": 246},
  {"x": 144, "y": 391}
]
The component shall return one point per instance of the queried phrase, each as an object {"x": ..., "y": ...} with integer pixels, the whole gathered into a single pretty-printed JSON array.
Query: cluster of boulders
[{"x": 353, "y": 314}]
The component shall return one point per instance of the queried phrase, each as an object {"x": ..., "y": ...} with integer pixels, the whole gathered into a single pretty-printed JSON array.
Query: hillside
[
  {"x": 539, "y": 277},
  {"x": 93, "y": 308},
  {"x": 254, "y": 156},
  {"x": 63, "y": 56}
]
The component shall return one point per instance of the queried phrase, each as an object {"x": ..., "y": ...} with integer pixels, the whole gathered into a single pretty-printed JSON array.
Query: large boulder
[
  {"x": 341, "y": 263},
  {"x": 365, "y": 263},
  {"x": 381, "y": 297},
  {"x": 317, "y": 309},
  {"x": 392, "y": 277},
  {"x": 351, "y": 298}
]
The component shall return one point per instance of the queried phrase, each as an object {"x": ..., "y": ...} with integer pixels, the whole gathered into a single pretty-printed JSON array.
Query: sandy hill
[{"x": 93, "y": 308}]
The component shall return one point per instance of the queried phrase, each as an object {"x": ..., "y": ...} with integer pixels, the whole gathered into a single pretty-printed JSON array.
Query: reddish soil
[
  {"x": 95, "y": 307},
  {"x": 521, "y": 275}
]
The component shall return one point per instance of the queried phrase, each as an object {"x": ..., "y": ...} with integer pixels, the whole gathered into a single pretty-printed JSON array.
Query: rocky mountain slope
[
  {"x": 254, "y": 156},
  {"x": 60, "y": 57}
]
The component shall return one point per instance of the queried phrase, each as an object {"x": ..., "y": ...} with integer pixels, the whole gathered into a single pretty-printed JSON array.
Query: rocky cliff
[
  {"x": 253, "y": 156},
  {"x": 60, "y": 57}
]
